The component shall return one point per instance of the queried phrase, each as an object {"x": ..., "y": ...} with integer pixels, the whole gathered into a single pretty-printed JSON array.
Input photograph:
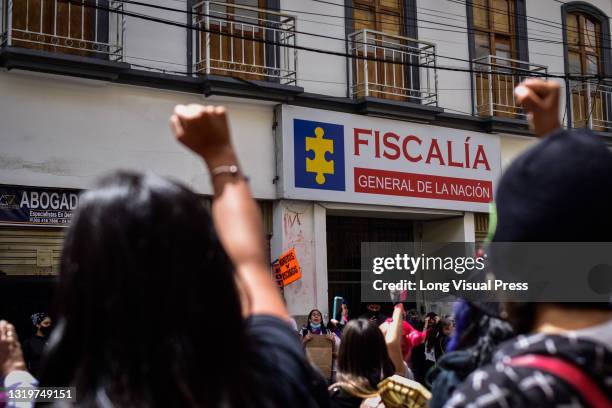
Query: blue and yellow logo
[{"x": 319, "y": 155}]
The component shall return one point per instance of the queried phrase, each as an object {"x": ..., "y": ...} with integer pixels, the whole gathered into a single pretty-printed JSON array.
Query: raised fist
[
  {"x": 541, "y": 100},
  {"x": 11, "y": 357},
  {"x": 203, "y": 129}
]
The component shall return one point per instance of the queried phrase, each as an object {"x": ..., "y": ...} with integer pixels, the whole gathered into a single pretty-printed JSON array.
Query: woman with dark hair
[
  {"x": 143, "y": 268},
  {"x": 367, "y": 356},
  {"x": 315, "y": 326}
]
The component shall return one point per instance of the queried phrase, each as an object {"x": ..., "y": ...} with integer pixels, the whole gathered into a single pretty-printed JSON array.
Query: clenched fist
[
  {"x": 541, "y": 100},
  {"x": 204, "y": 130},
  {"x": 11, "y": 357}
]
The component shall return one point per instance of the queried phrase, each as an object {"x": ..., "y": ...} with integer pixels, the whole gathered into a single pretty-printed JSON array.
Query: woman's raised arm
[{"x": 204, "y": 130}]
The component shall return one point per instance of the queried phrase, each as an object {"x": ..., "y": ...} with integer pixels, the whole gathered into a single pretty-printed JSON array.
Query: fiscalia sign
[{"x": 378, "y": 161}]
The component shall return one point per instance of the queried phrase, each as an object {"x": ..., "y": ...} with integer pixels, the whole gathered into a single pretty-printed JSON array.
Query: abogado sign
[
  {"x": 332, "y": 156},
  {"x": 37, "y": 205}
]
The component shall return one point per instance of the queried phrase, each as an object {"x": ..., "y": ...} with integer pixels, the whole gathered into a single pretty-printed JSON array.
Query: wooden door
[
  {"x": 584, "y": 58},
  {"x": 386, "y": 77},
  {"x": 236, "y": 42},
  {"x": 495, "y": 35},
  {"x": 54, "y": 26}
]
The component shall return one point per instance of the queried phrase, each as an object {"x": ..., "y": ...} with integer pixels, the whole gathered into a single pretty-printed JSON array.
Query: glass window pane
[
  {"x": 502, "y": 49},
  {"x": 575, "y": 67},
  {"x": 573, "y": 37},
  {"x": 592, "y": 63},
  {"x": 590, "y": 35},
  {"x": 390, "y": 24},
  {"x": 392, "y": 4},
  {"x": 501, "y": 15},
  {"x": 363, "y": 19},
  {"x": 481, "y": 15},
  {"x": 483, "y": 46}
]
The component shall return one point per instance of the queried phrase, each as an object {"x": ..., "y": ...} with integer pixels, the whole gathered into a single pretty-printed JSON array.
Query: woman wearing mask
[
  {"x": 315, "y": 327},
  {"x": 34, "y": 346}
]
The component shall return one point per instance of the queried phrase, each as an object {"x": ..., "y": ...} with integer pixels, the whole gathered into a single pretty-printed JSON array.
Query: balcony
[
  {"x": 244, "y": 42},
  {"x": 494, "y": 82},
  {"x": 64, "y": 27},
  {"x": 396, "y": 68},
  {"x": 591, "y": 105}
]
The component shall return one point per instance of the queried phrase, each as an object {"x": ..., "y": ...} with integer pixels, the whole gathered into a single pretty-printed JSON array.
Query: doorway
[{"x": 344, "y": 238}]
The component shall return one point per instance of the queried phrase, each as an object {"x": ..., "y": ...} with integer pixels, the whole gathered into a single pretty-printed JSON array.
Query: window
[
  {"x": 66, "y": 27},
  {"x": 495, "y": 53},
  {"x": 590, "y": 100},
  {"x": 234, "y": 36},
  {"x": 379, "y": 31}
]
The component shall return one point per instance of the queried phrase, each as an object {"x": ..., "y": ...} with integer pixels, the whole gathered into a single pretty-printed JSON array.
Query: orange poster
[{"x": 289, "y": 267}]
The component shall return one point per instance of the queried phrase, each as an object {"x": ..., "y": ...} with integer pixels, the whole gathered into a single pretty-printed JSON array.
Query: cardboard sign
[
  {"x": 289, "y": 268},
  {"x": 319, "y": 351}
]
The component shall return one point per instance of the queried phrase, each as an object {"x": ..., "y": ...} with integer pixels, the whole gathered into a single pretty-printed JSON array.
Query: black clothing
[
  {"x": 503, "y": 385},
  {"x": 279, "y": 372},
  {"x": 571, "y": 167},
  {"x": 378, "y": 317},
  {"x": 341, "y": 399},
  {"x": 454, "y": 368},
  {"x": 417, "y": 363},
  {"x": 480, "y": 334},
  {"x": 32, "y": 352}
]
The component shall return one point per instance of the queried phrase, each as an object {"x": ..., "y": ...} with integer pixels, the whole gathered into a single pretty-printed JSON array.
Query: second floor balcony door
[
  {"x": 55, "y": 26},
  {"x": 383, "y": 22},
  {"x": 496, "y": 52},
  {"x": 590, "y": 100},
  {"x": 236, "y": 40}
]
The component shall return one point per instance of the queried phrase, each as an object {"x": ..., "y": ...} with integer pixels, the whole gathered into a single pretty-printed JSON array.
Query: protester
[
  {"x": 314, "y": 325},
  {"x": 143, "y": 266},
  {"x": 12, "y": 367},
  {"x": 563, "y": 354},
  {"x": 414, "y": 320},
  {"x": 374, "y": 314},
  {"x": 435, "y": 347},
  {"x": 367, "y": 356},
  {"x": 337, "y": 326},
  {"x": 478, "y": 332},
  {"x": 418, "y": 362},
  {"x": 411, "y": 338},
  {"x": 34, "y": 346}
]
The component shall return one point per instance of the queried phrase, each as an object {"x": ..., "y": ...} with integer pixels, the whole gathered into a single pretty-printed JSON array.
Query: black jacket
[{"x": 503, "y": 385}]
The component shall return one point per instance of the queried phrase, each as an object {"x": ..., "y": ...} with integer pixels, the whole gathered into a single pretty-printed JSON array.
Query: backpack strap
[{"x": 569, "y": 373}]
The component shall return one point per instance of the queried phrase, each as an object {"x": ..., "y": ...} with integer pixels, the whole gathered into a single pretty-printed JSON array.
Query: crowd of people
[{"x": 147, "y": 270}]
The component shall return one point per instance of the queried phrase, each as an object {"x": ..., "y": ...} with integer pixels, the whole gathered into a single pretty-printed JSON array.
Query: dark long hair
[
  {"x": 363, "y": 360},
  {"x": 308, "y": 327},
  {"x": 142, "y": 276}
]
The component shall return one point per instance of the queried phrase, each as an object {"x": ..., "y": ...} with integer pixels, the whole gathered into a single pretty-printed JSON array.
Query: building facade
[{"x": 356, "y": 121}]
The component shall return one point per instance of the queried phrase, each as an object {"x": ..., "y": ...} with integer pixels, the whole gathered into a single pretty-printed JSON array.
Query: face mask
[
  {"x": 315, "y": 326},
  {"x": 45, "y": 330}
]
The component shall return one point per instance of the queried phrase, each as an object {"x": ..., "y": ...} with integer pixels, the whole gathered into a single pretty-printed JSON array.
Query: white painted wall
[
  {"x": 63, "y": 132},
  {"x": 301, "y": 225},
  {"x": 453, "y": 87},
  {"x": 512, "y": 146},
  {"x": 153, "y": 44},
  {"x": 320, "y": 73}
]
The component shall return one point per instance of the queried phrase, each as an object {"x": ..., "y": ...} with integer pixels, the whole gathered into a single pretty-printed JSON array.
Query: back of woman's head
[
  {"x": 363, "y": 360},
  {"x": 143, "y": 283}
]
